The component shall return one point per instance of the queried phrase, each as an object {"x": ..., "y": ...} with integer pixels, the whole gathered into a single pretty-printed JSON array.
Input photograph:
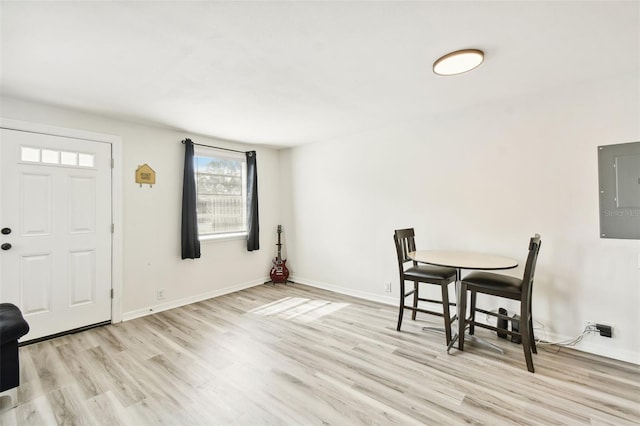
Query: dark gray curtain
[
  {"x": 253, "y": 226},
  {"x": 190, "y": 241}
]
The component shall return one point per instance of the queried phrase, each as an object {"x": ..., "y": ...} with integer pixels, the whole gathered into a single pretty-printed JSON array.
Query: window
[
  {"x": 64, "y": 158},
  {"x": 221, "y": 195}
]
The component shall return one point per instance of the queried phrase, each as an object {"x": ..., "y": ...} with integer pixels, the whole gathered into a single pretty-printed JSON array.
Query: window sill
[{"x": 223, "y": 237}]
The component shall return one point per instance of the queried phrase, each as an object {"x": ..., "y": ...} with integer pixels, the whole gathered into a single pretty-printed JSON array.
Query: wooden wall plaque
[{"x": 146, "y": 175}]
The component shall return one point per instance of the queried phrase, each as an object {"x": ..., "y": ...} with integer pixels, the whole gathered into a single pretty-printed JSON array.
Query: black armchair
[{"x": 12, "y": 327}]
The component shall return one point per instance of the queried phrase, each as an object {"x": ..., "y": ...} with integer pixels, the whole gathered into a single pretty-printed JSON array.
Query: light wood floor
[{"x": 294, "y": 355}]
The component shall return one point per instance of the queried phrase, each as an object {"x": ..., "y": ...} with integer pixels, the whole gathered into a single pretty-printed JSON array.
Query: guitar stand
[{"x": 279, "y": 282}]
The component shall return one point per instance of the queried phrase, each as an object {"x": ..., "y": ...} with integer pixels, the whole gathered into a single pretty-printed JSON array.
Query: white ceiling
[{"x": 290, "y": 73}]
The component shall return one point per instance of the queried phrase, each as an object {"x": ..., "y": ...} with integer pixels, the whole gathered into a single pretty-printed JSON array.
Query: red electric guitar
[{"x": 279, "y": 272}]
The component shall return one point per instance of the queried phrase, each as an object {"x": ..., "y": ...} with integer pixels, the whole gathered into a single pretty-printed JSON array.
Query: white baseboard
[
  {"x": 587, "y": 345},
  {"x": 387, "y": 300},
  {"x": 189, "y": 300},
  {"x": 593, "y": 344}
]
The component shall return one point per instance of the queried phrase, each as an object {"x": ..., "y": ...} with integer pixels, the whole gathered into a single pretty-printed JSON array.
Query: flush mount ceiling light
[{"x": 458, "y": 62}]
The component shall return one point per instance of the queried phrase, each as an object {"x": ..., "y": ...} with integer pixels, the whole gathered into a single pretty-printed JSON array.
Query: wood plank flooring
[{"x": 296, "y": 355}]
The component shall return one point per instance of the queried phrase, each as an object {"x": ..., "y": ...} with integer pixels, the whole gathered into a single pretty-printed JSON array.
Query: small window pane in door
[
  {"x": 69, "y": 158},
  {"x": 30, "y": 154},
  {"x": 50, "y": 157}
]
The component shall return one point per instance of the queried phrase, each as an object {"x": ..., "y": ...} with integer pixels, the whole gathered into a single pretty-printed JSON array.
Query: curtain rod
[{"x": 216, "y": 147}]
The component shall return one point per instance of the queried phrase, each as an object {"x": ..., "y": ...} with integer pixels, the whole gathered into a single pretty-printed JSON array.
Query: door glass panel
[
  {"x": 50, "y": 157},
  {"x": 85, "y": 160},
  {"x": 30, "y": 154},
  {"x": 69, "y": 158}
]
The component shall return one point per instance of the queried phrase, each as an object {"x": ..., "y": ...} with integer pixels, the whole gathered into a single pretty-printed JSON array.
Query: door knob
[
  {"x": 5, "y": 246},
  {"x": 6, "y": 231}
]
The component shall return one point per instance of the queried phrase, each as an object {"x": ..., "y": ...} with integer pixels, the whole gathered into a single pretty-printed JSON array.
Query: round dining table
[{"x": 463, "y": 259}]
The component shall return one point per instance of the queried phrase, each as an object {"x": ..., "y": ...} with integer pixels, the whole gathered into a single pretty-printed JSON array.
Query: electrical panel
[{"x": 619, "y": 181}]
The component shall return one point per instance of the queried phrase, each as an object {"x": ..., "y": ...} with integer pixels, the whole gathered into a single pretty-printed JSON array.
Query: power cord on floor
[
  {"x": 572, "y": 341},
  {"x": 569, "y": 342}
]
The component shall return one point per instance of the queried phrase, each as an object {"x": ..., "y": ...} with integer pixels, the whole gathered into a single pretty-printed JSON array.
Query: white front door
[{"x": 55, "y": 222}]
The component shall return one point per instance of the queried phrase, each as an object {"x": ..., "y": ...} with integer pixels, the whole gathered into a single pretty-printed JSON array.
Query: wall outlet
[
  {"x": 387, "y": 287},
  {"x": 605, "y": 330},
  {"x": 160, "y": 294}
]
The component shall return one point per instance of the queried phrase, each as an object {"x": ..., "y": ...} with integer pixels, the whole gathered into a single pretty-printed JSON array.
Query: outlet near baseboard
[{"x": 605, "y": 330}]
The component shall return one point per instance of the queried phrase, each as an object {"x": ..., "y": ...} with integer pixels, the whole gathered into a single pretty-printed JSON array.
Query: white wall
[
  {"x": 152, "y": 215},
  {"x": 482, "y": 179}
]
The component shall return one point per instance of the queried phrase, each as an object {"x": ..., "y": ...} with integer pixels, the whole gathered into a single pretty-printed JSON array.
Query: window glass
[
  {"x": 50, "y": 157},
  {"x": 69, "y": 158},
  {"x": 30, "y": 154},
  {"x": 221, "y": 194}
]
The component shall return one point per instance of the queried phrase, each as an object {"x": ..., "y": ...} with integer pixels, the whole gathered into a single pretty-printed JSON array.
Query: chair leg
[
  {"x": 472, "y": 312},
  {"x": 401, "y": 312},
  {"x": 526, "y": 339},
  {"x": 445, "y": 311},
  {"x": 462, "y": 315},
  {"x": 531, "y": 335},
  {"x": 415, "y": 299}
]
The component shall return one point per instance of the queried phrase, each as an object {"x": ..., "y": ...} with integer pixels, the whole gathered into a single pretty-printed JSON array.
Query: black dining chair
[
  {"x": 405, "y": 243},
  {"x": 506, "y": 287}
]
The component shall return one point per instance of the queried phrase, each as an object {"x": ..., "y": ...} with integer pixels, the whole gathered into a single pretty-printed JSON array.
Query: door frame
[{"x": 116, "y": 195}]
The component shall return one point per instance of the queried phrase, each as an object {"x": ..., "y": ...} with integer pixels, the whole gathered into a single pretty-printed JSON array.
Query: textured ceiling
[{"x": 290, "y": 73}]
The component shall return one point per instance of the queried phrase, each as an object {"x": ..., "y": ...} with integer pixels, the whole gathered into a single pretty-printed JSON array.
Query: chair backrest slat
[{"x": 405, "y": 243}]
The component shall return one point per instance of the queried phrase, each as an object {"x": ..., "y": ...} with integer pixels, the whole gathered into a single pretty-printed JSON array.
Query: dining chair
[
  {"x": 507, "y": 287},
  {"x": 405, "y": 243}
]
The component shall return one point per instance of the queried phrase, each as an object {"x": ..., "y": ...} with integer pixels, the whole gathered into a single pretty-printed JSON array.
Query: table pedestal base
[
  {"x": 470, "y": 338},
  {"x": 438, "y": 329}
]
